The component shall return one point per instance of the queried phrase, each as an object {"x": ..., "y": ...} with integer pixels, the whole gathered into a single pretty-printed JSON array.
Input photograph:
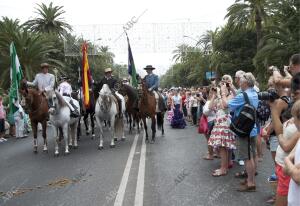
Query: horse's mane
[
  {"x": 130, "y": 91},
  {"x": 61, "y": 101}
]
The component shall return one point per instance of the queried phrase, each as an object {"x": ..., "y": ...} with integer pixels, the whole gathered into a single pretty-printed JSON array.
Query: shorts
[
  {"x": 210, "y": 127},
  {"x": 247, "y": 148},
  {"x": 273, "y": 143},
  {"x": 283, "y": 181},
  {"x": 2, "y": 125}
]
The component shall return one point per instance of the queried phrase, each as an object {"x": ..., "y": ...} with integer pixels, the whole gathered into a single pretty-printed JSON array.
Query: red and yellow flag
[{"x": 85, "y": 76}]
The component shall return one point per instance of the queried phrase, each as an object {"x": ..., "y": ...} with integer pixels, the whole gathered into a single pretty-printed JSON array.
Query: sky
[{"x": 110, "y": 12}]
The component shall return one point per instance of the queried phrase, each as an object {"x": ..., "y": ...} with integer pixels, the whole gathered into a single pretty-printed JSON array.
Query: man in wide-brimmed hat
[
  {"x": 111, "y": 81},
  {"x": 43, "y": 80},
  {"x": 152, "y": 82},
  {"x": 65, "y": 89}
]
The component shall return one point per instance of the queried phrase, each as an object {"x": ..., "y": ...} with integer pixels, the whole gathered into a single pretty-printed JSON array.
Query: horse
[
  {"x": 60, "y": 119},
  {"x": 131, "y": 93},
  {"x": 106, "y": 109},
  {"x": 37, "y": 107},
  {"x": 87, "y": 112},
  {"x": 147, "y": 108}
]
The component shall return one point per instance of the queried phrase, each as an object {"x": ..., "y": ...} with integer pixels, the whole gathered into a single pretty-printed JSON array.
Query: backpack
[
  {"x": 243, "y": 124},
  {"x": 263, "y": 111}
]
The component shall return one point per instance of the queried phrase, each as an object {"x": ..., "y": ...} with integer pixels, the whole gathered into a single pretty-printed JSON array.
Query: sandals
[
  {"x": 243, "y": 174},
  {"x": 246, "y": 188},
  {"x": 218, "y": 173},
  {"x": 208, "y": 158}
]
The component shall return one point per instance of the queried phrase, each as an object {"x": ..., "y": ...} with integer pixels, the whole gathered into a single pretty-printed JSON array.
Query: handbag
[{"x": 203, "y": 125}]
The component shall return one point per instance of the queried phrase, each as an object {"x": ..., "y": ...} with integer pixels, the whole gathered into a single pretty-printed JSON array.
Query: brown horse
[
  {"x": 132, "y": 96},
  {"x": 37, "y": 107},
  {"x": 147, "y": 108}
]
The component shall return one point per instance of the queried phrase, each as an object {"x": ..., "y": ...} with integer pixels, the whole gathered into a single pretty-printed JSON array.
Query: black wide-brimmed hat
[{"x": 149, "y": 67}]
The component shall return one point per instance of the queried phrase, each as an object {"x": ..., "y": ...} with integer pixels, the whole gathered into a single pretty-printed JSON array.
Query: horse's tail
[
  {"x": 160, "y": 120},
  {"x": 119, "y": 126}
]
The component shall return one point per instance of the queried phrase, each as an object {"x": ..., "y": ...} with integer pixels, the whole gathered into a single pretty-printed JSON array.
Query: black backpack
[
  {"x": 263, "y": 112},
  {"x": 243, "y": 124}
]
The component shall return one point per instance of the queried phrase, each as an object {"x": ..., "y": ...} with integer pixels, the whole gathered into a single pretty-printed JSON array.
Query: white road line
[
  {"x": 122, "y": 187},
  {"x": 139, "y": 193}
]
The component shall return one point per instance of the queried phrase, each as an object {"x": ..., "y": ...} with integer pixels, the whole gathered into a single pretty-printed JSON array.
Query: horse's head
[
  {"x": 105, "y": 90},
  {"x": 30, "y": 97}
]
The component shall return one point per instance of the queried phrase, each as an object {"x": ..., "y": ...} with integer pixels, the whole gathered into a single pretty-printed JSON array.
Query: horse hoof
[
  {"x": 112, "y": 146},
  {"x": 56, "y": 154},
  {"x": 100, "y": 147},
  {"x": 70, "y": 146},
  {"x": 35, "y": 151},
  {"x": 67, "y": 153},
  {"x": 45, "y": 151}
]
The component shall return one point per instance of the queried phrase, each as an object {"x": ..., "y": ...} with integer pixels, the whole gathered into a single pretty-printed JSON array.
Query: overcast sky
[{"x": 88, "y": 12}]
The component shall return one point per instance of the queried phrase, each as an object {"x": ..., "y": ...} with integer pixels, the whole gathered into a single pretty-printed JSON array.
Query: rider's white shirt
[
  {"x": 43, "y": 81},
  {"x": 65, "y": 88}
]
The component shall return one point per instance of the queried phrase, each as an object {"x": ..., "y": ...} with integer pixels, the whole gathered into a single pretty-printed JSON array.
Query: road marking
[
  {"x": 139, "y": 193},
  {"x": 124, "y": 180}
]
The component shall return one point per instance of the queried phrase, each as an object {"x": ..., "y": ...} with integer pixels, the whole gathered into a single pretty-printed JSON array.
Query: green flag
[
  {"x": 16, "y": 76},
  {"x": 131, "y": 66}
]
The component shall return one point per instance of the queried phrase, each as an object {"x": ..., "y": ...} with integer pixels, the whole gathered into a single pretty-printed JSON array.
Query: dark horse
[
  {"x": 87, "y": 112},
  {"x": 147, "y": 108},
  {"x": 132, "y": 96},
  {"x": 37, "y": 107}
]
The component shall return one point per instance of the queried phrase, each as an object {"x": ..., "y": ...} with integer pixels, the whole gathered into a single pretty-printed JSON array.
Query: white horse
[
  {"x": 106, "y": 109},
  {"x": 60, "y": 118}
]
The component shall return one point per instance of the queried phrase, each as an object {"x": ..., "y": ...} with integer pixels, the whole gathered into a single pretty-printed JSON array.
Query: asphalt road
[{"x": 169, "y": 172}]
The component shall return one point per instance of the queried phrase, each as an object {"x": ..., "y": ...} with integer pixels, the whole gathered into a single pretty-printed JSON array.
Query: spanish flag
[{"x": 85, "y": 76}]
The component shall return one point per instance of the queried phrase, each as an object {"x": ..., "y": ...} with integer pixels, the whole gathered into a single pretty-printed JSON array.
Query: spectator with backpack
[{"x": 244, "y": 125}]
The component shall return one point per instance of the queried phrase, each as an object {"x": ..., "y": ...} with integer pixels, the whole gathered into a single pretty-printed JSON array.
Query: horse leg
[
  {"x": 162, "y": 126},
  {"x": 65, "y": 134},
  {"x": 93, "y": 125},
  {"x": 85, "y": 119},
  {"x": 145, "y": 127},
  {"x": 57, "y": 140},
  {"x": 101, "y": 133},
  {"x": 69, "y": 137},
  {"x": 35, "y": 141},
  {"x": 74, "y": 134},
  {"x": 79, "y": 129},
  {"x": 130, "y": 122},
  {"x": 112, "y": 128},
  {"x": 44, "y": 126},
  {"x": 153, "y": 127}
]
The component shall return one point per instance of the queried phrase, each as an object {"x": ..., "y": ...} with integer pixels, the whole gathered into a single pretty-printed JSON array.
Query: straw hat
[
  {"x": 43, "y": 65},
  {"x": 108, "y": 70}
]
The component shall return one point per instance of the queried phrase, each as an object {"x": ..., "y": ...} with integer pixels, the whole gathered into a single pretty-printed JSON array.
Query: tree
[
  {"x": 49, "y": 20},
  {"x": 249, "y": 14},
  {"x": 32, "y": 49}
]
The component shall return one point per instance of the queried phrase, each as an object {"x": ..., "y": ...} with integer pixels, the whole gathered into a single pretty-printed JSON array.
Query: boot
[{"x": 75, "y": 113}]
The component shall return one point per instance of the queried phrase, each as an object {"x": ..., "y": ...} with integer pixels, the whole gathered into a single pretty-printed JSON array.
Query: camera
[
  {"x": 214, "y": 89},
  {"x": 227, "y": 85},
  {"x": 197, "y": 95},
  {"x": 270, "y": 95}
]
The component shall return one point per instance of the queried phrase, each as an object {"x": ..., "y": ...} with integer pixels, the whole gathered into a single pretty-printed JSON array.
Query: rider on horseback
[
  {"x": 152, "y": 82},
  {"x": 44, "y": 80},
  {"x": 65, "y": 89},
  {"x": 112, "y": 83}
]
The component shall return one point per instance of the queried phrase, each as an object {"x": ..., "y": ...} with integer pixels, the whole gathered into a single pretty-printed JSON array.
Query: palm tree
[
  {"x": 32, "y": 49},
  {"x": 106, "y": 54},
  {"x": 249, "y": 13},
  {"x": 180, "y": 53},
  {"x": 49, "y": 20}
]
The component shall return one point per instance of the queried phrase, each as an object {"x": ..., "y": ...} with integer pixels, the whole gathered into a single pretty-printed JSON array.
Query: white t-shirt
[
  {"x": 176, "y": 99},
  {"x": 193, "y": 102},
  {"x": 289, "y": 129},
  {"x": 43, "y": 81},
  {"x": 294, "y": 188}
]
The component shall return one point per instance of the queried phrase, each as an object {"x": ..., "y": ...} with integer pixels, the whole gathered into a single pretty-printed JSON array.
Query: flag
[
  {"x": 16, "y": 76},
  {"x": 131, "y": 66},
  {"x": 85, "y": 76}
]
